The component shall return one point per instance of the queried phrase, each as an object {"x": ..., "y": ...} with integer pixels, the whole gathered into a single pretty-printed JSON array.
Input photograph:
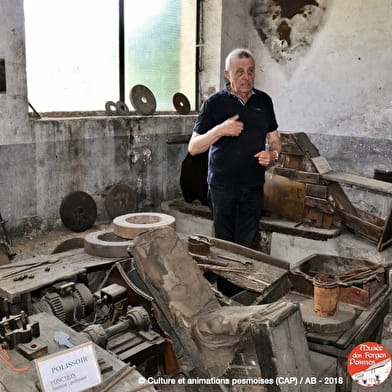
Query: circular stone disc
[
  {"x": 105, "y": 243},
  {"x": 142, "y": 100},
  {"x": 130, "y": 225},
  {"x": 120, "y": 200},
  {"x": 122, "y": 108},
  {"x": 78, "y": 211},
  {"x": 110, "y": 108},
  {"x": 340, "y": 321},
  {"x": 181, "y": 103}
]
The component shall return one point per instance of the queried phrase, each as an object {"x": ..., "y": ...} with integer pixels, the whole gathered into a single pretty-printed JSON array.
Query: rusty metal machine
[{"x": 52, "y": 302}]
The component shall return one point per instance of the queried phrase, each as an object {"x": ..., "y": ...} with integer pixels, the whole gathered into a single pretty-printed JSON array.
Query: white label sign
[
  {"x": 321, "y": 164},
  {"x": 72, "y": 370}
]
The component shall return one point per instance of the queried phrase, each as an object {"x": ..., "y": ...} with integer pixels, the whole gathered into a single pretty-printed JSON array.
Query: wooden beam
[
  {"x": 359, "y": 181},
  {"x": 362, "y": 227},
  {"x": 296, "y": 175}
]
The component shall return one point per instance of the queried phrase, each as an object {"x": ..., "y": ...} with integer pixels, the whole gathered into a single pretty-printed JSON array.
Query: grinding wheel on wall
[
  {"x": 110, "y": 108},
  {"x": 78, "y": 211},
  {"x": 142, "y": 100},
  {"x": 181, "y": 103},
  {"x": 130, "y": 225},
  {"x": 120, "y": 200},
  {"x": 105, "y": 243}
]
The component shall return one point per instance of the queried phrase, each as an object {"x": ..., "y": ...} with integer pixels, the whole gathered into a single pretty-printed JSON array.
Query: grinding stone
[
  {"x": 78, "y": 211},
  {"x": 340, "y": 321},
  {"x": 142, "y": 100},
  {"x": 181, "y": 103}
]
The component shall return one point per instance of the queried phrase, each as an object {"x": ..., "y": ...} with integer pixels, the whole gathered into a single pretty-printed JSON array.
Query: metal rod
[{"x": 121, "y": 49}]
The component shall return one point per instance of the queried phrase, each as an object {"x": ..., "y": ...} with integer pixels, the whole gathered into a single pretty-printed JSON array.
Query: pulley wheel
[
  {"x": 110, "y": 108},
  {"x": 142, "y": 100},
  {"x": 120, "y": 200},
  {"x": 130, "y": 225},
  {"x": 105, "y": 243},
  {"x": 122, "y": 108},
  {"x": 181, "y": 103},
  {"x": 78, "y": 211}
]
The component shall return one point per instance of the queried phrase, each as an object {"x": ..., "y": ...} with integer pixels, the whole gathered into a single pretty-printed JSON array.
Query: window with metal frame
[{"x": 83, "y": 53}]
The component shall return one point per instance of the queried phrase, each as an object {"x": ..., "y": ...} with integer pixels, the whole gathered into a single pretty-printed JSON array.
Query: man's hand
[
  {"x": 265, "y": 158},
  {"x": 201, "y": 143},
  {"x": 231, "y": 127}
]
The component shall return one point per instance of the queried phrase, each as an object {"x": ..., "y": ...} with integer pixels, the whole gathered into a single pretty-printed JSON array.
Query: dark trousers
[{"x": 236, "y": 211}]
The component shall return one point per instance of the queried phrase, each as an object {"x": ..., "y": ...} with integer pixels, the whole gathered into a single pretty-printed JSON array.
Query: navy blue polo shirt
[{"x": 231, "y": 160}]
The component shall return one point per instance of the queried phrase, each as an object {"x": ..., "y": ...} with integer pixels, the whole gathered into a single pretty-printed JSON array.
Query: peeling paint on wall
[{"x": 288, "y": 27}]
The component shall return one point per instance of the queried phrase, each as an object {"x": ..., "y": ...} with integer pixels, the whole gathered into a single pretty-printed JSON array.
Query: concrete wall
[
  {"x": 334, "y": 84},
  {"x": 44, "y": 160}
]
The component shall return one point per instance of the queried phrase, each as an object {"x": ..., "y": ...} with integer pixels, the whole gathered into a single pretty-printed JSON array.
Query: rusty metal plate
[
  {"x": 78, "y": 211},
  {"x": 120, "y": 200},
  {"x": 142, "y": 100},
  {"x": 181, "y": 103}
]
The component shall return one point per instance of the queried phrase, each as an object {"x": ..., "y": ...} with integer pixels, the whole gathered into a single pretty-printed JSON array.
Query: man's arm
[
  {"x": 265, "y": 158},
  {"x": 201, "y": 142},
  {"x": 274, "y": 142}
]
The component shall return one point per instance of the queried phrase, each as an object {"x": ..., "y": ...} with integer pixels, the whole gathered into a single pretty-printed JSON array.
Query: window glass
[
  {"x": 160, "y": 38},
  {"x": 71, "y": 54},
  {"x": 72, "y": 51}
]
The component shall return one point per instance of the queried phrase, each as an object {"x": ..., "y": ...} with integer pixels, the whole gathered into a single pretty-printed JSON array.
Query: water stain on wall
[{"x": 288, "y": 27}]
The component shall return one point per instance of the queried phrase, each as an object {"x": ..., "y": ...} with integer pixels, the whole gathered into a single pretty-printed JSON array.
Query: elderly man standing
[{"x": 235, "y": 124}]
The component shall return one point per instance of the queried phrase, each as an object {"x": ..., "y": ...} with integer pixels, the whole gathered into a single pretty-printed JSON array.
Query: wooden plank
[
  {"x": 359, "y": 181},
  {"x": 313, "y": 216},
  {"x": 196, "y": 209},
  {"x": 373, "y": 219},
  {"x": 296, "y": 175},
  {"x": 261, "y": 260},
  {"x": 291, "y": 161},
  {"x": 289, "y": 145},
  {"x": 306, "y": 145},
  {"x": 328, "y": 220},
  {"x": 321, "y": 204},
  {"x": 293, "y": 228},
  {"x": 45, "y": 270},
  {"x": 341, "y": 199},
  {"x": 314, "y": 190},
  {"x": 359, "y": 226},
  {"x": 386, "y": 236}
]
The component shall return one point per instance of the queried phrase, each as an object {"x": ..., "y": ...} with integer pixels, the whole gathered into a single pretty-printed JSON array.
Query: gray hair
[{"x": 237, "y": 53}]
